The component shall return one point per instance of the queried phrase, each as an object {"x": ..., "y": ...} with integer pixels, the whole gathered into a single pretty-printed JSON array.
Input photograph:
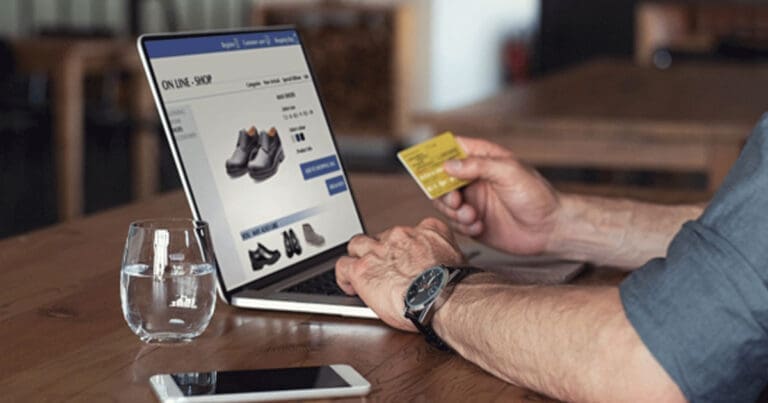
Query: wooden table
[
  {"x": 614, "y": 114},
  {"x": 62, "y": 335},
  {"x": 67, "y": 61}
]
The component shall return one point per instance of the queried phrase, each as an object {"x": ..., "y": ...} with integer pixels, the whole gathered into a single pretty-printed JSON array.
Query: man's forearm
[
  {"x": 572, "y": 343},
  {"x": 616, "y": 232}
]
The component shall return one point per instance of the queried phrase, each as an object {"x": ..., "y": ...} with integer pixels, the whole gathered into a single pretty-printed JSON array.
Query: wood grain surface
[{"x": 63, "y": 337}]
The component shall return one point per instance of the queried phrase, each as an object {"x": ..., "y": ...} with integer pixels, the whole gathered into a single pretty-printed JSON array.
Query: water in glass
[
  {"x": 167, "y": 283},
  {"x": 176, "y": 306}
]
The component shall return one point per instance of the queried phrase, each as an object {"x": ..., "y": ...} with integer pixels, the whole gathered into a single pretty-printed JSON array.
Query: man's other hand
[
  {"x": 379, "y": 269},
  {"x": 508, "y": 205}
]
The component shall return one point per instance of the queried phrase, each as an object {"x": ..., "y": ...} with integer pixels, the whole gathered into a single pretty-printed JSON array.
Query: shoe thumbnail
[
  {"x": 263, "y": 256},
  {"x": 291, "y": 242},
  {"x": 294, "y": 242},
  {"x": 312, "y": 237},
  {"x": 265, "y": 159},
  {"x": 247, "y": 141},
  {"x": 288, "y": 243}
]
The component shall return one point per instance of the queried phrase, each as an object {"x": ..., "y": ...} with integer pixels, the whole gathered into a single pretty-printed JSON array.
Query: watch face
[{"x": 426, "y": 287}]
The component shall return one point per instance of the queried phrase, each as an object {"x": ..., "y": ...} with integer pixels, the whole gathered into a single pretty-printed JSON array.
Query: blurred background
[{"x": 680, "y": 81}]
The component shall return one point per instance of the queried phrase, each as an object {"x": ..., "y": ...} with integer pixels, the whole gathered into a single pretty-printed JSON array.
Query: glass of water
[{"x": 167, "y": 280}]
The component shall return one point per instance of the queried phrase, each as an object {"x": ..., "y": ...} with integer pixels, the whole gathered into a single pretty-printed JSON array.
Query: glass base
[{"x": 166, "y": 338}]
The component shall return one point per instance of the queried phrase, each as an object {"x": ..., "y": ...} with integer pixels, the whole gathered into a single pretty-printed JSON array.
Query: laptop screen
[{"x": 254, "y": 148}]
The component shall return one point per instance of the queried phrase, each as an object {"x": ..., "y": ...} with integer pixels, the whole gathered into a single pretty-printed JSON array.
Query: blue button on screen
[
  {"x": 336, "y": 185},
  {"x": 319, "y": 167}
]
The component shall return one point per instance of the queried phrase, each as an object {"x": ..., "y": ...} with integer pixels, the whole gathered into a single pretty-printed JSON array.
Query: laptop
[{"x": 258, "y": 161}]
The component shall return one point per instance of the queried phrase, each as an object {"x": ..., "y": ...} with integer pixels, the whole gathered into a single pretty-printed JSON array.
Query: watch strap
[
  {"x": 464, "y": 271},
  {"x": 429, "y": 333}
]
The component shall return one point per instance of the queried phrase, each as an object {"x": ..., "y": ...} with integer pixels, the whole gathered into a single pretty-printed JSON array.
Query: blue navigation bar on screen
[{"x": 169, "y": 47}]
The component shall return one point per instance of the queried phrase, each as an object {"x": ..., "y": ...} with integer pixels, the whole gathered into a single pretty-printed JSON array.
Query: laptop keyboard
[{"x": 324, "y": 284}]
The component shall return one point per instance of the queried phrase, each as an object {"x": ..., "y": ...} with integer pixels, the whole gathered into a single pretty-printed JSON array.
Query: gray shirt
[{"x": 702, "y": 310}]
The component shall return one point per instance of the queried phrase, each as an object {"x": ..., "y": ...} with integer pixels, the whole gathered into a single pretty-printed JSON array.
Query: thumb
[{"x": 497, "y": 170}]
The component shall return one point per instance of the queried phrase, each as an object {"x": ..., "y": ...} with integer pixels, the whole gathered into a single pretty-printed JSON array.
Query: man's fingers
[
  {"x": 447, "y": 211},
  {"x": 360, "y": 245},
  {"x": 344, "y": 267},
  {"x": 435, "y": 225},
  {"x": 482, "y": 148},
  {"x": 466, "y": 214},
  {"x": 451, "y": 199},
  {"x": 472, "y": 230},
  {"x": 398, "y": 232},
  {"x": 463, "y": 213}
]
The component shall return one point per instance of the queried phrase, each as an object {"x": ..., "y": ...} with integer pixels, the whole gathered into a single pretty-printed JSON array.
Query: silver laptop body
[{"x": 258, "y": 161}]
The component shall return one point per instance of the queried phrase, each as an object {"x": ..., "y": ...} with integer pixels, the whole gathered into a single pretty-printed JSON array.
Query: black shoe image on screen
[
  {"x": 247, "y": 141},
  {"x": 288, "y": 243},
  {"x": 265, "y": 159},
  {"x": 312, "y": 237},
  {"x": 291, "y": 243},
  {"x": 263, "y": 256},
  {"x": 294, "y": 242}
]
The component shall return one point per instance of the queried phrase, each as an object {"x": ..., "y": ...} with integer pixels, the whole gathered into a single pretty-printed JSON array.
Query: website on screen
[{"x": 256, "y": 148}]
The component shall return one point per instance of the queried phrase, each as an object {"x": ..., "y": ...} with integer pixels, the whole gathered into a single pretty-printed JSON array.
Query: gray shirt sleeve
[{"x": 702, "y": 310}]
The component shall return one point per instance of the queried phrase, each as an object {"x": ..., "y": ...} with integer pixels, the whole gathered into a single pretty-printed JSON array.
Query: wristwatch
[{"x": 427, "y": 293}]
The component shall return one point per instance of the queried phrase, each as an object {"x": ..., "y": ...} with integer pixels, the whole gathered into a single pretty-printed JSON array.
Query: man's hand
[
  {"x": 379, "y": 269},
  {"x": 508, "y": 205}
]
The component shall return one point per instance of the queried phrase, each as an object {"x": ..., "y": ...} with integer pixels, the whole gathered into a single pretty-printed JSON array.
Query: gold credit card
[{"x": 424, "y": 162}]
